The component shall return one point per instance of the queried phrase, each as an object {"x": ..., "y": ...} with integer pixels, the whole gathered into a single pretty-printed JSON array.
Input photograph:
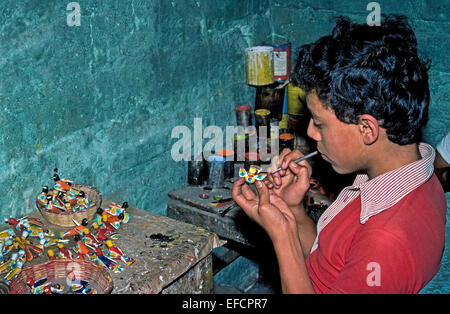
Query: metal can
[{"x": 259, "y": 65}]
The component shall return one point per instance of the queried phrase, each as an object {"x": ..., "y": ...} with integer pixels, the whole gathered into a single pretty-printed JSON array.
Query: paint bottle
[
  {"x": 262, "y": 117},
  {"x": 228, "y": 168},
  {"x": 259, "y": 65},
  {"x": 216, "y": 171},
  {"x": 296, "y": 100},
  {"x": 196, "y": 171},
  {"x": 240, "y": 146},
  {"x": 243, "y": 116}
]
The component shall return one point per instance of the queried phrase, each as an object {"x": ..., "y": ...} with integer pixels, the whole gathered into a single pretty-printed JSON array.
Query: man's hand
[
  {"x": 292, "y": 182},
  {"x": 267, "y": 209}
]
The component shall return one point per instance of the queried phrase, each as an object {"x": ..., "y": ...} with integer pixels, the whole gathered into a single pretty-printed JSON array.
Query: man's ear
[{"x": 369, "y": 128}]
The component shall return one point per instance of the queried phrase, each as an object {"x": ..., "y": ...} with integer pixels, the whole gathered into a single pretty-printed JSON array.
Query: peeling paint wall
[{"x": 99, "y": 100}]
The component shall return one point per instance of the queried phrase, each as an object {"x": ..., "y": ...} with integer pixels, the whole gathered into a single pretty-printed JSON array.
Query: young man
[{"x": 367, "y": 91}]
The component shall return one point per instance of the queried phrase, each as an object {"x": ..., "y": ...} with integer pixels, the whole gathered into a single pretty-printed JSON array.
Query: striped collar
[
  {"x": 386, "y": 190},
  {"x": 381, "y": 192}
]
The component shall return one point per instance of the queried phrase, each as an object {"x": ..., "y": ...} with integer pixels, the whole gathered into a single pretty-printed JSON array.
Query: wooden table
[{"x": 179, "y": 262}]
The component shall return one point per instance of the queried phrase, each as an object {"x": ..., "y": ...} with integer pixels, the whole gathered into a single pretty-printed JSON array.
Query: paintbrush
[{"x": 298, "y": 160}]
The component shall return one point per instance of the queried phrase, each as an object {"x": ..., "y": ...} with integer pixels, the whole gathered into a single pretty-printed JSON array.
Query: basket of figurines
[
  {"x": 66, "y": 276},
  {"x": 67, "y": 202}
]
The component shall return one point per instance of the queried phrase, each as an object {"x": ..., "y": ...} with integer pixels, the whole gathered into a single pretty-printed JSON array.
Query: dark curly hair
[{"x": 376, "y": 70}]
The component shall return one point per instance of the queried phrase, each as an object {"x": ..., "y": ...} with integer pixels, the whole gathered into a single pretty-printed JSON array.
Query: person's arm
[
  {"x": 307, "y": 230},
  {"x": 277, "y": 219},
  {"x": 440, "y": 162},
  {"x": 442, "y": 171},
  {"x": 291, "y": 260}
]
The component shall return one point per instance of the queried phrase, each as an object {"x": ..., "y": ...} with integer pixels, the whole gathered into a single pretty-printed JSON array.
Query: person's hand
[
  {"x": 292, "y": 182},
  {"x": 267, "y": 209}
]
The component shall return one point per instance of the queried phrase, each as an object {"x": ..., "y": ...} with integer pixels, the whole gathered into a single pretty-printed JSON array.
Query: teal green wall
[{"x": 99, "y": 101}]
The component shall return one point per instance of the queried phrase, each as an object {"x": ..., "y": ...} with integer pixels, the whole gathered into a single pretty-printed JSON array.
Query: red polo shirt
[{"x": 384, "y": 235}]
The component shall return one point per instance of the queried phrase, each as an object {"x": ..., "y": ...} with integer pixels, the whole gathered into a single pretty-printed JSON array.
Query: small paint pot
[
  {"x": 204, "y": 196},
  {"x": 196, "y": 171},
  {"x": 287, "y": 140},
  {"x": 216, "y": 165},
  {"x": 243, "y": 116}
]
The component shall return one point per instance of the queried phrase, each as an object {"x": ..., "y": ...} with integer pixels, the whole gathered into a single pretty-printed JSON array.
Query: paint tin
[
  {"x": 282, "y": 61},
  {"x": 243, "y": 116},
  {"x": 262, "y": 117},
  {"x": 259, "y": 65},
  {"x": 296, "y": 100},
  {"x": 196, "y": 169}
]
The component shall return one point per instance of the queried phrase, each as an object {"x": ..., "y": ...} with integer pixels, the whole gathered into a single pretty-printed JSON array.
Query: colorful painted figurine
[
  {"x": 41, "y": 286},
  {"x": 90, "y": 240},
  {"x": 104, "y": 229},
  {"x": 16, "y": 265},
  {"x": 105, "y": 261},
  {"x": 7, "y": 234},
  {"x": 252, "y": 175},
  {"x": 79, "y": 286},
  {"x": 17, "y": 269},
  {"x": 37, "y": 287},
  {"x": 62, "y": 185},
  {"x": 24, "y": 223},
  {"x": 24, "y": 244},
  {"x": 46, "y": 241},
  {"x": 6, "y": 265},
  {"x": 42, "y": 197},
  {"x": 119, "y": 212},
  {"x": 51, "y": 255},
  {"x": 63, "y": 252},
  {"x": 74, "y": 231},
  {"x": 80, "y": 248},
  {"x": 117, "y": 254}
]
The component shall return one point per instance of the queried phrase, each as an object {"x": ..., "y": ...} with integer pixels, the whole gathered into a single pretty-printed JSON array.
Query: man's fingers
[
  {"x": 236, "y": 193},
  {"x": 263, "y": 192},
  {"x": 302, "y": 174},
  {"x": 247, "y": 192}
]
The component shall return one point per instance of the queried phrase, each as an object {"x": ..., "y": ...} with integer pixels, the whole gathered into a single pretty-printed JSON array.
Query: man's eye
[{"x": 317, "y": 125}]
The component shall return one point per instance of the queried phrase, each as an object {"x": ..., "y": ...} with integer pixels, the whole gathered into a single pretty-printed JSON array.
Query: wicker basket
[
  {"x": 64, "y": 219},
  {"x": 57, "y": 270}
]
